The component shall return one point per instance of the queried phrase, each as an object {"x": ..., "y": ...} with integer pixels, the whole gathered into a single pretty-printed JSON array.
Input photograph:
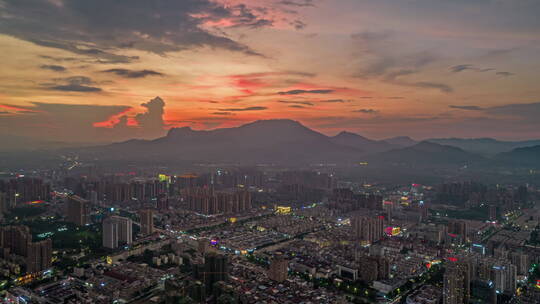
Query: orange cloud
[
  {"x": 16, "y": 108},
  {"x": 115, "y": 119}
]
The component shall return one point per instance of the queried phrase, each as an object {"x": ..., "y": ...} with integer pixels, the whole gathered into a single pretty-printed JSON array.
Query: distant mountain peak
[
  {"x": 484, "y": 145},
  {"x": 403, "y": 141},
  {"x": 403, "y": 138},
  {"x": 285, "y": 127},
  {"x": 180, "y": 131},
  {"x": 346, "y": 133},
  {"x": 361, "y": 143},
  {"x": 434, "y": 146},
  {"x": 275, "y": 122}
]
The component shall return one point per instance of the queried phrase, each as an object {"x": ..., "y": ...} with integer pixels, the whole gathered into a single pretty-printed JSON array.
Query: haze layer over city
[{"x": 269, "y": 151}]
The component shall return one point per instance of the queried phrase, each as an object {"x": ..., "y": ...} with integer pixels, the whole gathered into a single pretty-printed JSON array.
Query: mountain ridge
[
  {"x": 276, "y": 141},
  {"x": 484, "y": 145}
]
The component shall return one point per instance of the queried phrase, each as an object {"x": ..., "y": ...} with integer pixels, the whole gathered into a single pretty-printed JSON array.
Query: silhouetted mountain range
[
  {"x": 282, "y": 141},
  {"x": 401, "y": 141},
  {"x": 428, "y": 154},
  {"x": 286, "y": 142},
  {"x": 361, "y": 143},
  {"x": 528, "y": 156},
  {"x": 487, "y": 146}
]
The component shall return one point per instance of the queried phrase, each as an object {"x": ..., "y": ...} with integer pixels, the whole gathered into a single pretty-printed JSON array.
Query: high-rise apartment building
[
  {"x": 503, "y": 276},
  {"x": 17, "y": 240},
  {"x": 458, "y": 229},
  {"x": 25, "y": 189},
  {"x": 147, "y": 221},
  {"x": 457, "y": 283},
  {"x": 206, "y": 201},
  {"x": 346, "y": 200},
  {"x": 373, "y": 268},
  {"x": 279, "y": 268},
  {"x": 39, "y": 256},
  {"x": 367, "y": 229},
  {"x": 216, "y": 268},
  {"x": 125, "y": 230},
  {"x": 110, "y": 233},
  {"x": 78, "y": 210},
  {"x": 117, "y": 230}
]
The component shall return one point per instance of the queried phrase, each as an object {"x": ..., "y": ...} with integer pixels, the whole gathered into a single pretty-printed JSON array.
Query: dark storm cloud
[
  {"x": 222, "y": 113},
  {"x": 389, "y": 63},
  {"x": 257, "y": 24},
  {"x": 465, "y": 67},
  {"x": 396, "y": 77},
  {"x": 133, "y": 73},
  {"x": 243, "y": 109},
  {"x": 58, "y": 59},
  {"x": 366, "y": 111},
  {"x": 305, "y": 103},
  {"x": 74, "y": 84},
  {"x": 298, "y": 92},
  {"x": 85, "y": 49},
  {"x": 385, "y": 59},
  {"x": 242, "y": 16},
  {"x": 299, "y": 3},
  {"x": 157, "y": 26},
  {"x": 505, "y": 74},
  {"x": 432, "y": 85},
  {"x": 335, "y": 100},
  {"x": 75, "y": 88},
  {"x": 469, "y": 108},
  {"x": 298, "y": 24},
  {"x": 52, "y": 67},
  {"x": 89, "y": 58},
  {"x": 470, "y": 67},
  {"x": 461, "y": 67},
  {"x": 152, "y": 120}
]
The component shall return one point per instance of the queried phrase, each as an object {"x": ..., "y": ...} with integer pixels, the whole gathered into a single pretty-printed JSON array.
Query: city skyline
[
  {"x": 270, "y": 151},
  {"x": 423, "y": 69}
]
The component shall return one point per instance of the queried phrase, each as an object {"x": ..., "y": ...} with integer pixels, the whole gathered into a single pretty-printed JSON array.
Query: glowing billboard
[{"x": 283, "y": 210}]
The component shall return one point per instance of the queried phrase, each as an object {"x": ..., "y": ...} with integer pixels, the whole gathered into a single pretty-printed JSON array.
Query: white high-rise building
[
  {"x": 125, "y": 234},
  {"x": 110, "y": 233},
  {"x": 504, "y": 278}
]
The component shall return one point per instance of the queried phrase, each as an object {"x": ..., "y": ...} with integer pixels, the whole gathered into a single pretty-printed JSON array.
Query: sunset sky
[{"x": 89, "y": 71}]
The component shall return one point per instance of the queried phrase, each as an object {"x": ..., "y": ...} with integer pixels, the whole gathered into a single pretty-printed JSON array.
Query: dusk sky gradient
[{"x": 90, "y": 71}]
